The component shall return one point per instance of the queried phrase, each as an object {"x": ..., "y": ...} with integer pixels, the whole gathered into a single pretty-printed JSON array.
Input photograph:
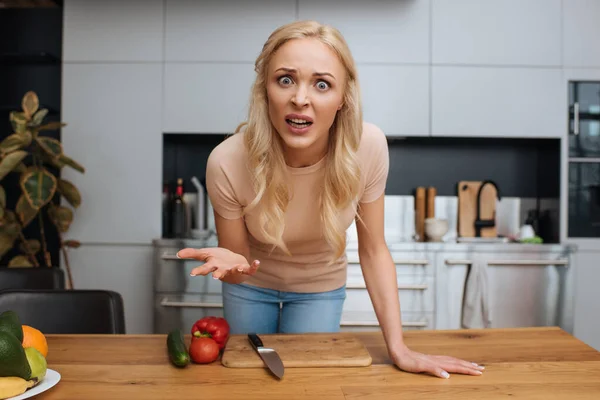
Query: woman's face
[{"x": 305, "y": 90}]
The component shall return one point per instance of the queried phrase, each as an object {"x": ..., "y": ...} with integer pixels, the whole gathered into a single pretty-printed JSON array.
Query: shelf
[{"x": 41, "y": 58}]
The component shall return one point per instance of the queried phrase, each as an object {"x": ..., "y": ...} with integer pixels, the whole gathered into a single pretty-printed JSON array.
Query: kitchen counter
[{"x": 528, "y": 363}]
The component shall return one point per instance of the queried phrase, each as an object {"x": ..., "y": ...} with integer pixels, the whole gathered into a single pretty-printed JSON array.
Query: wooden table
[{"x": 531, "y": 363}]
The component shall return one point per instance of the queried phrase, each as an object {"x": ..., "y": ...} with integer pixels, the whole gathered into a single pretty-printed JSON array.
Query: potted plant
[{"x": 37, "y": 159}]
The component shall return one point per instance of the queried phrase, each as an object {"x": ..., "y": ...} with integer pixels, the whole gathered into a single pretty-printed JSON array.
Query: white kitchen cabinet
[
  {"x": 99, "y": 31},
  {"x": 396, "y": 98},
  {"x": 415, "y": 271},
  {"x": 524, "y": 288},
  {"x": 206, "y": 98},
  {"x": 581, "y": 31},
  {"x": 451, "y": 272},
  {"x": 488, "y": 32},
  {"x": 123, "y": 269},
  {"x": 587, "y": 321},
  {"x": 497, "y": 102},
  {"x": 377, "y": 31},
  {"x": 114, "y": 122},
  {"x": 232, "y": 31}
]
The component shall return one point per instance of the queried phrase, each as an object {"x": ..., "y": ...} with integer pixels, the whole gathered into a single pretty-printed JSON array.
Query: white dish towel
[{"x": 476, "y": 311}]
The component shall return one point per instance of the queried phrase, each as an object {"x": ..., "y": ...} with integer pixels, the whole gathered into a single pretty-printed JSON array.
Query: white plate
[{"x": 52, "y": 377}]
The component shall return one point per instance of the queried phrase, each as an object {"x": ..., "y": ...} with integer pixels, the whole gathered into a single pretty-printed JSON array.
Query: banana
[{"x": 13, "y": 386}]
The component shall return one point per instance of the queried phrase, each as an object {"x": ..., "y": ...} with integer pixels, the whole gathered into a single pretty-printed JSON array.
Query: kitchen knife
[{"x": 269, "y": 356}]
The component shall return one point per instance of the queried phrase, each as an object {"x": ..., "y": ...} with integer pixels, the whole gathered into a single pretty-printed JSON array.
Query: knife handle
[{"x": 255, "y": 340}]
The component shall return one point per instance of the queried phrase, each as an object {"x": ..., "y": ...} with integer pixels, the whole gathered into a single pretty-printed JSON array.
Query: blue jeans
[{"x": 253, "y": 309}]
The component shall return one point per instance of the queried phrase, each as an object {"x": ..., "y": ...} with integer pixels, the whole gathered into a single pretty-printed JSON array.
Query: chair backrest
[
  {"x": 67, "y": 311},
  {"x": 32, "y": 278}
]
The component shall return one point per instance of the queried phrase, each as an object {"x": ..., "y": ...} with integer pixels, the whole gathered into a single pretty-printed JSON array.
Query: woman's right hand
[{"x": 223, "y": 263}]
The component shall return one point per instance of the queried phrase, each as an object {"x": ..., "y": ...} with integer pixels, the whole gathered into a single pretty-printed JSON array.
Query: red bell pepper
[{"x": 214, "y": 327}]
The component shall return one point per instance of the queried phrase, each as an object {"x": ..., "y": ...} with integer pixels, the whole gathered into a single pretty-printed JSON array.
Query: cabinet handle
[
  {"x": 168, "y": 303},
  {"x": 397, "y": 262},
  {"x": 459, "y": 262},
  {"x": 576, "y": 118},
  {"x": 411, "y": 324},
  {"x": 166, "y": 256},
  {"x": 592, "y": 160},
  {"x": 400, "y": 287},
  {"x": 562, "y": 262}
]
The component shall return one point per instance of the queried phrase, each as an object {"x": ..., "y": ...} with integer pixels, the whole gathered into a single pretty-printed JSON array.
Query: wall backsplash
[
  {"x": 525, "y": 170},
  {"x": 520, "y": 167}
]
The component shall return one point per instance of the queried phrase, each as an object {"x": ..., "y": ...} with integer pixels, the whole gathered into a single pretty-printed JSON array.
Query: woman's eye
[
  {"x": 285, "y": 80},
  {"x": 322, "y": 85}
]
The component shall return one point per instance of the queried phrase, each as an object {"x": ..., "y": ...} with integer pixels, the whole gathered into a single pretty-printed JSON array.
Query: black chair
[
  {"x": 41, "y": 278},
  {"x": 67, "y": 311}
]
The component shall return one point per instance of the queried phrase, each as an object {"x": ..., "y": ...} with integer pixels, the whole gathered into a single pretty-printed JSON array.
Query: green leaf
[
  {"x": 72, "y": 243},
  {"x": 10, "y": 161},
  {"x": 6, "y": 243},
  {"x": 51, "y": 146},
  {"x": 32, "y": 247},
  {"x": 24, "y": 210},
  {"x": 38, "y": 117},
  {"x": 20, "y": 262},
  {"x": 38, "y": 185},
  {"x": 61, "y": 217},
  {"x": 70, "y": 192},
  {"x": 15, "y": 141},
  {"x": 50, "y": 126},
  {"x": 18, "y": 121},
  {"x": 71, "y": 163},
  {"x": 2, "y": 202},
  {"x": 30, "y": 104}
]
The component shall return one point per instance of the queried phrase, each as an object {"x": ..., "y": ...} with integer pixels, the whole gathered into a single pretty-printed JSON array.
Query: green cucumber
[{"x": 177, "y": 350}]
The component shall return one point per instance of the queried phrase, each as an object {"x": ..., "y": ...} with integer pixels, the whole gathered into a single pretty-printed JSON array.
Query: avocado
[
  {"x": 11, "y": 323},
  {"x": 13, "y": 360}
]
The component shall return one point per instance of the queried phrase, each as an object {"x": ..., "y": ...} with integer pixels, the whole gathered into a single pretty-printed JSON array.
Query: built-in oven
[{"x": 584, "y": 160}]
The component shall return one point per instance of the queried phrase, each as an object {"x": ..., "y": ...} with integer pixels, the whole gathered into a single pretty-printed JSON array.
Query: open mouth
[{"x": 298, "y": 123}]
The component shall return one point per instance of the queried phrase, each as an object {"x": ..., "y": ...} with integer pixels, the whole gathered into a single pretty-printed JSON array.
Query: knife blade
[{"x": 268, "y": 355}]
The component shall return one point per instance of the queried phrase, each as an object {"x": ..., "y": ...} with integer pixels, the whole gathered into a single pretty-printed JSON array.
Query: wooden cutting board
[
  {"x": 295, "y": 350},
  {"x": 467, "y": 208}
]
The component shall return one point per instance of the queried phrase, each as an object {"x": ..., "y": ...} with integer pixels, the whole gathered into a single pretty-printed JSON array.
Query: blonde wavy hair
[{"x": 266, "y": 160}]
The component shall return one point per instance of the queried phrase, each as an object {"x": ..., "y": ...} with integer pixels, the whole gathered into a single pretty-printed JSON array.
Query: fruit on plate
[
  {"x": 11, "y": 386},
  {"x": 204, "y": 350},
  {"x": 13, "y": 361},
  {"x": 216, "y": 328},
  {"x": 178, "y": 354},
  {"x": 37, "y": 363},
  {"x": 11, "y": 323},
  {"x": 34, "y": 338}
]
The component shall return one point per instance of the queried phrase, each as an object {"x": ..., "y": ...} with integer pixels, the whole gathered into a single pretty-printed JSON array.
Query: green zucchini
[{"x": 177, "y": 350}]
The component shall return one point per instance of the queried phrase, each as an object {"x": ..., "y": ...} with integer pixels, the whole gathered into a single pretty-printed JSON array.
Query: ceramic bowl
[{"x": 435, "y": 229}]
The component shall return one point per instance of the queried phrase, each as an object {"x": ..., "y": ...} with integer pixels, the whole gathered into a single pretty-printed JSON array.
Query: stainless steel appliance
[{"x": 584, "y": 160}]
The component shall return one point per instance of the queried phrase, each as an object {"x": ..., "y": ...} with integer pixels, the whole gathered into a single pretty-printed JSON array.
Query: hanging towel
[{"x": 476, "y": 312}]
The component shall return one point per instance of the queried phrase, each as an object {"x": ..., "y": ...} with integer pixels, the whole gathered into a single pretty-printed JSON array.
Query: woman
[{"x": 286, "y": 188}]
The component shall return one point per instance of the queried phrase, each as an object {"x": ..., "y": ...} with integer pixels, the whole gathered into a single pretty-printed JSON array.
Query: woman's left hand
[{"x": 441, "y": 366}]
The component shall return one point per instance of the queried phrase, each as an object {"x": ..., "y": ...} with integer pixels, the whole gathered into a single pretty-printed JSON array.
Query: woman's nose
[{"x": 300, "y": 97}]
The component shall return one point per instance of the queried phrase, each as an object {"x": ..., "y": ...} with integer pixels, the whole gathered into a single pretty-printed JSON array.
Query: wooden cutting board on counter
[
  {"x": 467, "y": 208},
  {"x": 299, "y": 350}
]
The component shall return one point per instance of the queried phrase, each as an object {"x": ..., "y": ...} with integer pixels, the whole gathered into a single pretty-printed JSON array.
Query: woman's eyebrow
[{"x": 294, "y": 70}]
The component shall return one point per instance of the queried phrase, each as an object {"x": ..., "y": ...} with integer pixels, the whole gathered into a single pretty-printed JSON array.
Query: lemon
[{"x": 37, "y": 362}]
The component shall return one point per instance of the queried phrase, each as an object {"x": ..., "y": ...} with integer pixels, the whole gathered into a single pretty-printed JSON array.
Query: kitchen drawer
[
  {"x": 180, "y": 311},
  {"x": 173, "y": 275},
  {"x": 414, "y": 263},
  {"x": 364, "y": 321},
  {"x": 413, "y": 296}
]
